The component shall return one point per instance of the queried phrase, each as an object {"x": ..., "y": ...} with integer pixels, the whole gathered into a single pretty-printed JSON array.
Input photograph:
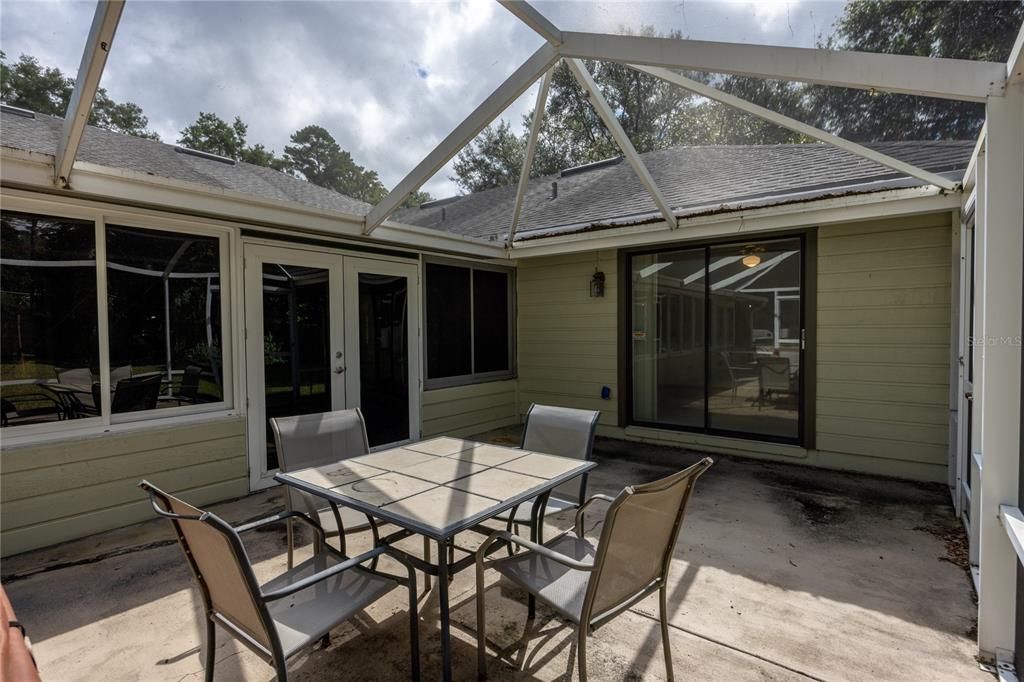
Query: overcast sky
[{"x": 387, "y": 79}]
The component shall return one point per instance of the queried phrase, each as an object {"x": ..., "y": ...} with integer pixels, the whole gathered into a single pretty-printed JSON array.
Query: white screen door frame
[
  {"x": 256, "y": 255},
  {"x": 410, "y": 271}
]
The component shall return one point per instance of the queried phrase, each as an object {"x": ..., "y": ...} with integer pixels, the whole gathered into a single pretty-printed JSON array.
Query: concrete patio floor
[{"x": 781, "y": 572}]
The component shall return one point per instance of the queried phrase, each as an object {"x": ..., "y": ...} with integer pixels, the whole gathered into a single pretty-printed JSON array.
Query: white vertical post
[{"x": 1000, "y": 416}]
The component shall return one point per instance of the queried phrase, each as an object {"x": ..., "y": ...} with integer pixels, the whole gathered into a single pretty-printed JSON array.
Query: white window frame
[
  {"x": 473, "y": 377},
  {"x": 163, "y": 417}
]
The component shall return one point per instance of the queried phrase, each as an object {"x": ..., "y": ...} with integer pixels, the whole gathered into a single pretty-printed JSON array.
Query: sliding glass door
[{"x": 717, "y": 339}]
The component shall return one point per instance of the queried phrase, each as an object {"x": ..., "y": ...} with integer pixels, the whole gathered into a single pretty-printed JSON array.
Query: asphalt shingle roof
[
  {"x": 114, "y": 150},
  {"x": 689, "y": 177}
]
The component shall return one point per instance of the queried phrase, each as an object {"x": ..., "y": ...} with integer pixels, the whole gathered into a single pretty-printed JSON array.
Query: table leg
[{"x": 442, "y": 598}]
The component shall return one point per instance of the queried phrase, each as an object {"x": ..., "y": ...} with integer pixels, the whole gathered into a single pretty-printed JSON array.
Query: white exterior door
[
  {"x": 382, "y": 347},
  {"x": 294, "y": 342},
  {"x": 325, "y": 331}
]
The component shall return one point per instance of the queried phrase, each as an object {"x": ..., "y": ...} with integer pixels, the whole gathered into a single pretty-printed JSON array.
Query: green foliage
[
  {"x": 315, "y": 155},
  {"x": 210, "y": 133},
  {"x": 46, "y": 90},
  {"x": 958, "y": 29},
  {"x": 417, "y": 198},
  {"x": 656, "y": 115}
]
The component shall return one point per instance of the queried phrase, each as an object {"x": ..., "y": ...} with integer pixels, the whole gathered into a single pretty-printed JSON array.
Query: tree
[
  {"x": 494, "y": 158},
  {"x": 210, "y": 133},
  {"x": 958, "y": 29},
  {"x": 316, "y": 156},
  {"x": 416, "y": 198},
  {"x": 46, "y": 90}
]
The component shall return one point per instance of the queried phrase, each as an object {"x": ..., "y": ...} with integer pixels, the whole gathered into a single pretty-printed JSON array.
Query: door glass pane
[
  {"x": 49, "y": 346},
  {"x": 449, "y": 349},
  {"x": 163, "y": 292},
  {"x": 384, "y": 357},
  {"x": 754, "y": 339},
  {"x": 490, "y": 321},
  {"x": 296, "y": 343},
  {"x": 668, "y": 338}
]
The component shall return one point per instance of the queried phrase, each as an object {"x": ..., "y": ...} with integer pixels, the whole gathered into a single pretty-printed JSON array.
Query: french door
[{"x": 325, "y": 332}]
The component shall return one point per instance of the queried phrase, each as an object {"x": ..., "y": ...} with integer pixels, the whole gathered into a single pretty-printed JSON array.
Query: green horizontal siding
[{"x": 64, "y": 490}]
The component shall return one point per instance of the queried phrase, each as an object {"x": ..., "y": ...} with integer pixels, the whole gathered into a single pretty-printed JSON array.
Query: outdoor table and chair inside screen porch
[{"x": 439, "y": 488}]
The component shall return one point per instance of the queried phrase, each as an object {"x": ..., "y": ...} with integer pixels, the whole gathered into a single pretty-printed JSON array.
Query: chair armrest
[
  {"x": 578, "y": 524},
  {"x": 277, "y": 518},
  {"x": 541, "y": 550},
  {"x": 323, "y": 575}
]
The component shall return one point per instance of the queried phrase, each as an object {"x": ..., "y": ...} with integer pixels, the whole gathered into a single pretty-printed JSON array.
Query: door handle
[
  {"x": 339, "y": 369},
  {"x": 969, "y": 395}
]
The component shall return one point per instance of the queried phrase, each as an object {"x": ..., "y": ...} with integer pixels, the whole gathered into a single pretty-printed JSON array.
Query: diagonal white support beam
[
  {"x": 800, "y": 127},
  {"x": 534, "y": 19},
  {"x": 579, "y": 70},
  {"x": 531, "y": 150},
  {"x": 94, "y": 58},
  {"x": 1015, "y": 65},
  {"x": 959, "y": 79},
  {"x": 489, "y": 109}
]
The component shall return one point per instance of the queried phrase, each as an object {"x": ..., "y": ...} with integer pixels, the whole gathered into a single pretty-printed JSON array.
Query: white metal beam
[
  {"x": 489, "y": 109},
  {"x": 998, "y": 421},
  {"x": 534, "y": 19},
  {"x": 800, "y": 127},
  {"x": 1015, "y": 65},
  {"x": 579, "y": 70},
  {"x": 531, "y": 149},
  {"x": 94, "y": 58},
  {"x": 958, "y": 79}
]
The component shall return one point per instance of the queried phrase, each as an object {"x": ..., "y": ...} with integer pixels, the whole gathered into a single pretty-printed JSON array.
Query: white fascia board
[
  {"x": 33, "y": 171},
  {"x": 499, "y": 100},
  {"x": 527, "y": 14},
  {"x": 798, "y": 126},
  {"x": 848, "y": 209},
  {"x": 90, "y": 71},
  {"x": 958, "y": 79}
]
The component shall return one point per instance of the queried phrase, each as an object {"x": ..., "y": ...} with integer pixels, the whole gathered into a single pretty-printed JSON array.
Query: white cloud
[{"x": 356, "y": 68}]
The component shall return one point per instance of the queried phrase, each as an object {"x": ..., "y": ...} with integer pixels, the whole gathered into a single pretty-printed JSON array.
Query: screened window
[
  {"x": 468, "y": 324},
  {"x": 49, "y": 348},
  {"x": 717, "y": 339},
  {"x": 163, "y": 311},
  {"x": 162, "y": 314}
]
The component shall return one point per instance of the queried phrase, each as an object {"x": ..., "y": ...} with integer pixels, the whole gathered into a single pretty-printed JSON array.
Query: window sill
[
  {"x": 455, "y": 382},
  {"x": 23, "y": 440}
]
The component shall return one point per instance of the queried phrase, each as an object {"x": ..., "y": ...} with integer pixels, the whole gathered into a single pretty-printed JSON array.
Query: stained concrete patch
[{"x": 780, "y": 573}]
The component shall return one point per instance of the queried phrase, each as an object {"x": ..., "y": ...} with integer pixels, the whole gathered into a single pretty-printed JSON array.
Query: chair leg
[
  {"x": 666, "y": 645},
  {"x": 481, "y": 645},
  {"x": 211, "y": 649},
  {"x": 281, "y": 670},
  {"x": 581, "y": 651}
]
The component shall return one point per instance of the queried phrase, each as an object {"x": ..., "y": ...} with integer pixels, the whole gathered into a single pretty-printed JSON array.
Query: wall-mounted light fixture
[{"x": 597, "y": 284}]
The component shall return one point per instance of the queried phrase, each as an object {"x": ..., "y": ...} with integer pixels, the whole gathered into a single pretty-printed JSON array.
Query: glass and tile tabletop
[{"x": 438, "y": 486}]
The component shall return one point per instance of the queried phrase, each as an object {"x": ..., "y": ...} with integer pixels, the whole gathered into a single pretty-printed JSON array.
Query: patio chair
[
  {"x": 132, "y": 395},
  {"x": 310, "y": 440},
  {"x": 188, "y": 389},
  {"x": 556, "y": 431},
  {"x": 119, "y": 373},
  {"x": 284, "y": 616},
  {"x": 739, "y": 374},
  {"x": 589, "y": 584},
  {"x": 773, "y": 377}
]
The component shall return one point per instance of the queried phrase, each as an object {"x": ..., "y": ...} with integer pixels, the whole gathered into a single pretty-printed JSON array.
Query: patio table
[{"x": 439, "y": 488}]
